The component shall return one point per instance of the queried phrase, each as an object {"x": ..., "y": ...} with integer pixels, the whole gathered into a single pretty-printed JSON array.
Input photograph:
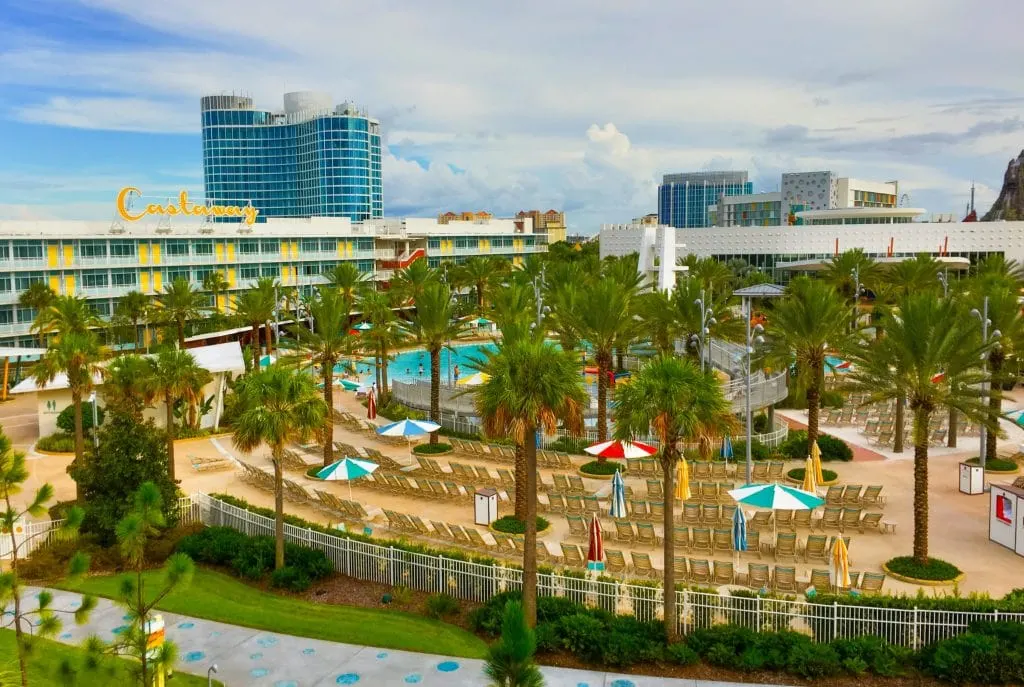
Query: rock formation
[{"x": 1010, "y": 203}]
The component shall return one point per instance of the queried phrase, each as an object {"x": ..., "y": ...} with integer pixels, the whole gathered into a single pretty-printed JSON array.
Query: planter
[
  {"x": 218, "y": 435},
  {"x": 313, "y": 476},
  {"x": 57, "y": 454},
  {"x": 431, "y": 455},
  {"x": 992, "y": 471},
  {"x": 798, "y": 482},
  {"x": 518, "y": 535},
  {"x": 923, "y": 583},
  {"x": 590, "y": 475}
]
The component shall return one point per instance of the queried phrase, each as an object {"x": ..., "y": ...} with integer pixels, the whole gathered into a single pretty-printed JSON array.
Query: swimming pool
[{"x": 406, "y": 365}]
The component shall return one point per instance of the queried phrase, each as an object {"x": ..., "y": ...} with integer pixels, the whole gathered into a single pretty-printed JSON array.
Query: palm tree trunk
[
  {"x": 813, "y": 404},
  {"x": 384, "y": 372},
  {"x": 169, "y": 403},
  {"x": 951, "y": 434},
  {"x": 995, "y": 402},
  {"x": 270, "y": 340},
  {"x": 278, "y": 508},
  {"x": 530, "y": 535},
  {"x": 255, "y": 348},
  {"x": 15, "y": 590},
  {"x": 76, "y": 401},
  {"x": 921, "y": 487},
  {"x": 135, "y": 331},
  {"x": 520, "y": 504},
  {"x": 668, "y": 476},
  {"x": 619, "y": 355},
  {"x": 897, "y": 442},
  {"x": 603, "y": 363},
  {"x": 435, "y": 390},
  {"x": 328, "y": 376},
  {"x": 181, "y": 334}
]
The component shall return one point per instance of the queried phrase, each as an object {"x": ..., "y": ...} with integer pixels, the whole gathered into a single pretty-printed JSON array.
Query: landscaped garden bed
[
  {"x": 998, "y": 466},
  {"x": 796, "y": 476},
  {"x": 438, "y": 449},
  {"x": 510, "y": 524},
  {"x": 936, "y": 572},
  {"x": 601, "y": 470}
]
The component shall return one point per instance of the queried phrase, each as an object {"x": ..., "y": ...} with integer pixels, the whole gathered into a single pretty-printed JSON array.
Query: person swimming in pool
[{"x": 421, "y": 369}]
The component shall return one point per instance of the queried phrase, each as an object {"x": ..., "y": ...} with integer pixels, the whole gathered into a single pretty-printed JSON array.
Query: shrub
[
  {"x": 551, "y": 609},
  {"x": 547, "y": 637},
  {"x": 594, "y": 467},
  {"x": 758, "y": 451},
  {"x": 583, "y": 635},
  {"x": 998, "y": 464},
  {"x": 431, "y": 449},
  {"x": 510, "y": 524},
  {"x": 213, "y": 545},
  {"x": 974, "y": 658},
  {"x": 290, "y": 578},
  {"x": 314, "y": 563},
  {"x": 487, "y": 619},
  {"x": 66, "y": 419},
  {"x": 795, "y": 447},
  {"x": 798, "y": 474},
  {"x": 872, "y": 652},
  {"x": 761, "y": 425},
  {"x": 254, "y": 558},
  {"x": 773, "y": 649},
  {"x": 936, "y": 570},
  {"x": 832, "y": 399},
  {"x": 622, "y": 649},
  {"x": 734, "y": 638},
  {"x": 813, "y": 661},
  {"x": 569, "y": 445},
  {"x": 681, "y": 653},
  {"x": 396, "y": 411},
  {"x": 442, "y": 606},
  {"x": 57, "y": 443}
]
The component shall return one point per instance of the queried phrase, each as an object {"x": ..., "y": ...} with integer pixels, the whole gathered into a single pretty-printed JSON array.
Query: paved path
[{"x": 264, "y": 659}]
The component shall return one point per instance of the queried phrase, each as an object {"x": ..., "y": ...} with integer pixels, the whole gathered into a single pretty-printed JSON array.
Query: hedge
[
  {"x": 510, "y": 524},
  {"x": 795, "y": 447},
  {"x": 596, "y": 467},
  {"x": 798, "y": 474},
  {"x": 937, "y": 570},
  {"x": 431, "y": 449},
  {"x": 57, "y": 443}
]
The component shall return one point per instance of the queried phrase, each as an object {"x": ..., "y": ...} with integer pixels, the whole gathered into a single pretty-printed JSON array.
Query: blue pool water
[{"x": 405, "y": 366}]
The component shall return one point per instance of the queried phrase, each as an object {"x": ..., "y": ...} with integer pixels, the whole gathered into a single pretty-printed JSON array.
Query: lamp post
[
  {"x": 753, "y": 336},
  {"x": 95, "y": 421},
  {"x": 944, "y": 280},
  {"x": 855, "y": 272},
  {"x": 706, "y": 320},
  {"x": 985, "y": 338},
  {"x": 210, "y": 673}
]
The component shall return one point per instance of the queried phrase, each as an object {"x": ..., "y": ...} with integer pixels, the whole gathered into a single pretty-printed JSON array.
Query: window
[
  {"x": 328, "y": 245},
  {"x": 172, "y": 275},
  {"x": 95, "y": 279},
  {"x": 26, "y": 279},
  {"x": 365, "y": 266},
  {"x": 248, "y": 247},
  {"x": 6, "y": 315},
  {"x": 93, "y": 249},
  {"x": 5, "y": 251},
  {"x": 310, "y": 269},
  {"x": 268, "y": 246},
  {"x": 123, "y": 278},
  {"x": 434, "y": 244},
  {"x": 5, "y": 283},
  {"x": 28, "y": 250},
  {"x": 200, "y": 274},
  {"x": 26, "y": 315},
  {"x": 202, "y": 248},
  {"x": 176, "y": 247},
  {"x": 364, "y": 244},
  {"x": 271, "y": 270},
  {"x": 101, "y": 308},
  {"x": 310, "y": 245},
  {"x": 122, "y": 249}
]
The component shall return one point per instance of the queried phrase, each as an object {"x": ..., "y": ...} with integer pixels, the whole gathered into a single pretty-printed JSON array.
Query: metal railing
[{"x": 30, "y": 536}]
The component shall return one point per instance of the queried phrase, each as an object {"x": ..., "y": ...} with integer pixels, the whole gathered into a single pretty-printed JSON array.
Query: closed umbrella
[
  {"x": 739, "y": 530},
  {"x": 346, "y": 470},
  {"x": 618, "y": 509},
  {"x": 816, "y": 460},
  {"x": 810, "y": 482},
  {"x": 776, "y": 497},
  {"x": 371, "y": 405},
  {"x": 840, "y": 564},
  {"x": 726, "y": 447},
  {"x": 595, "y": 550},
  {"x": 683, "y": 480},
  {"x": 621, "y": 449},
  {"x": 474, "y": 379}
]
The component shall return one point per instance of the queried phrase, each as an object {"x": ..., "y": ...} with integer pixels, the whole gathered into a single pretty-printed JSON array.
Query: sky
[{"x": 579, "y": 105}]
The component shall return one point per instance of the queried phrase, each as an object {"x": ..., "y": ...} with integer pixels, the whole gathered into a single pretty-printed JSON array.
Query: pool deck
[{"x": 244, "y": 656}]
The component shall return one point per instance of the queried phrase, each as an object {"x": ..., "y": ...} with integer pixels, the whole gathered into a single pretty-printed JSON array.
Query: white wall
[{"x": 847, "y": 186}]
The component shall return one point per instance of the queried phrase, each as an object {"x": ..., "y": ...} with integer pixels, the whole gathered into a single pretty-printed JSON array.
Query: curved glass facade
[{"x": 288, "y": 166}]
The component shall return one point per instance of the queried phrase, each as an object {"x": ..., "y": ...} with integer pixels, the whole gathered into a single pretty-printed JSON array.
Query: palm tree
[
  {"x": 173, "y": 376},
  {"x": 124, "y": 385},
  {"x": 66, "y": 315},
  {"x": 564, "y": 300},
  {"x": 410, "y": 282},
  {"x": 726, "y": 324},
  {"x": 601, "y": 320},
  {"x": 385, "y": 335},
  {"x": 811, "y": 319},
  {"x": 38, "y": 296},
  {"x": 324, "y": 346},
  {"x": 482, "y": 273},
  {"x": 710, "y": 274},
  {"x": 270, "y": 291},
  {"x": 927, "y": 343},
  {"x": 254, "y": 309},
  {"x": 348, "y": 280},
  {"x": 434, "y": 325},
  {"x": 77, "y": 355},
  {"x": 216, "y": 283},
  {"x": 133, "y": 308},
  {"x": 277, "y": 406},
  {"x": 178, "y": 304},
  {"x": 841, "y": 270},
  {"x": 658, "y": 321},
  {"x": 996, "y": 271},
  {"x": 532, "y": 385},
  {"x": 672, "y": 397},
  {"x": 514, "y": 310}
]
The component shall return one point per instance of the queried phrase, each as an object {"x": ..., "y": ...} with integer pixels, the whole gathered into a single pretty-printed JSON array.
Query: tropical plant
[
  {"x": 482, "y": 273},
  {"x": 255, "y": 309},
  {"x": 215, "y": 283},
  {"x": 270, "y": 291},
  {"x": 658, "y": 320},
  {"x": 66, "y": 315},
  {"x": 926, "y": 344},
  {"x": 564, "y": 299},
  {"x": 995, "y": 271},
  {"x": 434, "y": 325},
  {"x": 132, "y": 309},
  {"x": 514, "y": 310},
  {"x": 324, "y": 346},
  {"x": 78, "y": 357},
  {"x": 409, "y": 283},
  {"x": 709, "y": 274},
  {"x": 675, "y": 400},
  {"x": 850, "y": 269},
  {"x": 178, "y": 304},
  {"x": 42, "y": 620},
  {"x": 532, "y": 385},
  {"x": 124, "y": 385},
  {"x": 38, "y": 297},
  {"x": 806, "y": 323},
  {"x": 721, "y": 322},
  {"x": 510, "y": 659},
  {"x": 174, "y": 375},
  {"x": 276, "y": 406},
  {"x": 383, "y": 337},
  {"x": 348, "y": 280}
]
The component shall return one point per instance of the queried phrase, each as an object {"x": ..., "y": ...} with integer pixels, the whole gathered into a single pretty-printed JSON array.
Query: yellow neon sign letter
[{"x": 183, "y": 207}]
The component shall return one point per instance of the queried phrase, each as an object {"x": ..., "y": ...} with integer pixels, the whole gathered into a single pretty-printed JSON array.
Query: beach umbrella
[
  {"x": 1016, "y": 417},
  {"x": 408, "y": 428},
  {"x": 621, "y": 450},
  {"x": 840, "y": 564},
  {"x": 739, "y": 530},
  {"x": 474, "y": 379},
  {"x": 481, "y": 321},
  {"x": 683, "y": 480},
  {"x": 371, "y": 405},
  {"x": 363, "y": 327},
  {"x": 595, "y": 550},
  {"x": 810, "y": 484},
  {"x": 346, "y": 470},
  {"x": 267, "y": 361},
  {"x": 618, "y": 496},
  {"x": 348, "y": 384},
  {"x": 816, "y": 462},
  {"x": 726, "y": 447},
  {"x": 775, "y": 496}
]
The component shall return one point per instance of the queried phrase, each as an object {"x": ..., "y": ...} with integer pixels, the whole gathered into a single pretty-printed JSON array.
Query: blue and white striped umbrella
[
  {"x": 618, "y": 509},
  {"x": 739, "y": 530},
  {"x": 346, "y": 469},
  {"x": 1016, "y": 416},
  {"x": 408, "y": 428},
  {"x": 726, "y": 447}
]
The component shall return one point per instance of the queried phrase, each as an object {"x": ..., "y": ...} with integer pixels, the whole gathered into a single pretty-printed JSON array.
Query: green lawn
[
  {"x": 45, "y": 661},
  {"x": 215, "y": 596}
]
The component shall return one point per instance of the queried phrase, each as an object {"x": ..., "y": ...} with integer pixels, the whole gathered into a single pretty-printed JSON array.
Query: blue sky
[{"x": 580, "y": 104}]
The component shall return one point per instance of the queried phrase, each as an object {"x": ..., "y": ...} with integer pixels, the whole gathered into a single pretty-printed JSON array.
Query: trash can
[
  {"x": 972, "y": 479},
  {"x": 485, "y": 506}
]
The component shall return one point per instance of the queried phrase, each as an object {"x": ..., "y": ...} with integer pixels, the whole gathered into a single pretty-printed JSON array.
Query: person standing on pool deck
[
  {"x": 421, "y": 369},
  {"x": 455, "y": 373}
]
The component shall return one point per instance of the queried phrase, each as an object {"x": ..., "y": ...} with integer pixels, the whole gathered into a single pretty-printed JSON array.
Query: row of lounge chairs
[
  {"x": 855, "y": 495},
  {"x": 507, "y": 454}
]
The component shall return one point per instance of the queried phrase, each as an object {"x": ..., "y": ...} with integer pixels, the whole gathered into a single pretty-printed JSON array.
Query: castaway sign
[{"x": 183, "y": 207}]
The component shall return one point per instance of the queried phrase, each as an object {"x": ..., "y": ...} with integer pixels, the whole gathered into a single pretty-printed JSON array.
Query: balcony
[{"x": 15, "y": 328}]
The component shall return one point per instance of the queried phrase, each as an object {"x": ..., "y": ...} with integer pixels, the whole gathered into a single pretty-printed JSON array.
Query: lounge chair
[
  {"x": 785, "y": 546},
  {"x": 691, "y": 514},
  {"x": 872, "y": 583},
  {"x": 572, "y": 556},
  {"x": 784, "y": 579},
  {"x": 624, "y": 531},
  {"x": 615, "y": 562},
  {"x": 681, "y": 538},
  {"x": 815, "y": 548},
  {"x": 871, "y": 522},
  {"x": 702, "y": 541},
  {"x": 655, "y": 489},
  {"x": 700, "y": 571},
  {"x": 757, "y": 576},
  {"x": 722, "y": 540},
  {"x": 821, "y": 580},
  {"x": 645, "y": 534},
  {"x": 724, "y": 573},
  {"x": 850, "y": 519},
  {"x": 832, "y": 518},
  {"x": 852, "y": 495},
  {"x": 642, "y": 564},
  {"x": 577, "y": 527}
]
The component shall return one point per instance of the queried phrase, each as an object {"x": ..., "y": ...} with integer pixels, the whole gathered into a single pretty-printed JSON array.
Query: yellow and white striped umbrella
[
  {"x": 683, "y": 481},
  {"x": 810, "y": 483},
  {"x": 816, "y": 459},
  {"x": 474, "y": 379},
  {"x": 840, "y": 564}
]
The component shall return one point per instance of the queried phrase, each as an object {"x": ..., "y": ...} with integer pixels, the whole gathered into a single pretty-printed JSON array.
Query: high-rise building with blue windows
[
  {"x": 312, "y": 159},
  {"x": 683, "y": 199}
]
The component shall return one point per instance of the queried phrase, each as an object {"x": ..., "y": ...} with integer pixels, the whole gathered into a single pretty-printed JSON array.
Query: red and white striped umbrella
[
  {"x": 621, "y": 450},
  {"x": 595, "y": 551},
  {"x": 371, "y": 405}
]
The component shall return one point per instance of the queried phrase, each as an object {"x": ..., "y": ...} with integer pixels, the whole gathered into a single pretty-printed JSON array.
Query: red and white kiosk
[{"x": 1006, "y": 516}]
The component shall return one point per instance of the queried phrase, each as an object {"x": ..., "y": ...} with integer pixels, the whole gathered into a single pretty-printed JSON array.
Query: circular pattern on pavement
[
  {"x": 259, "y": 672},
  {"x": 309, "y": 651},
  {"x": 194, "y": 656},
  {"x": 413, "y": 678},
  {"x": 255, "y": 657},
  {"x": 448, "y": 666},
  {"x": 623, "y": 683},
  {"x": 267, "y": 641},
  {"x": 186, "y": 626},
  {"x": 382, "y": 654},
  {"x": 286, "y": 683},
  {"x": 347, "y": 679}
]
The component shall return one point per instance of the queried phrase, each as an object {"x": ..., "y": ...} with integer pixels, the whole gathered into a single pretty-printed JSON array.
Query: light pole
[
  {"x": 944, "y": 280},
  {"x": 706, "y": 320},
  {"x": 757, "y": 338},
  {"x": 856, "y": 293},
  {"x": 209, "y": 675},
  {"x": 95, "y": 421},
  {"x": 985, "y": 338}
]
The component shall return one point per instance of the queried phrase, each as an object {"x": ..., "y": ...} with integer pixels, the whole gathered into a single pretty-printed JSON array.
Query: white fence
[{"x": 29, "y": 536}]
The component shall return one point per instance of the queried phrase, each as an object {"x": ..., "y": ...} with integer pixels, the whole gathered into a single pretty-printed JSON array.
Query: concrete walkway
[{"x": 264, "y": 659}]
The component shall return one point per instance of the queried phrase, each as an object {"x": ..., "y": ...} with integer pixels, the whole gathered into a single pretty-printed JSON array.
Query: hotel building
[
  {"x": 102, "y": 262},
  {"x": 310, "y": 159},
  {"x": 683, "y": 199}
]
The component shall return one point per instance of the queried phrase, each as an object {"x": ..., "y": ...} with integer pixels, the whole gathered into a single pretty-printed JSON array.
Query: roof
[
  {"x": 225, "y": 357},
  {"x": 760, "y": 291}
]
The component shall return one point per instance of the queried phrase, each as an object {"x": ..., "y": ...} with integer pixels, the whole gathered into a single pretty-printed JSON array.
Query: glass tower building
[
  {"x": 311, "y": 159},
  {"x": 683, "y": 199}
]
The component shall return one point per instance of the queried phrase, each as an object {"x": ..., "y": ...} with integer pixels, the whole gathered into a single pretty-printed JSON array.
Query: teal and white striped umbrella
[
  {"x": 408, "y": 428},
  {"x": 346, "y": 469},
  {"x": 775, "y": 496},
  {"x": 1016, "y": 416}
]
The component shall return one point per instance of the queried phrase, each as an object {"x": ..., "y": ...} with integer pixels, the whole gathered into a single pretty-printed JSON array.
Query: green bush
[
  {"x": 312, "y": 562},
  {"x": 758, "y": 451},
  {"x": 761, "y": 425},
  {"x": 999, "y": 464},
  {"x": 569, "y": 445},
  {"x": 976, "y": 659},
  {"x": 290, "y": 578},
  {"x": 936, "y": 570},
  {"x": 510, "y": 524},
  {"x": 832, "y": 399},
  {"x": 813, "y": 661},
  {"x": 681, "y": 653},
  {"x": 795, "y": 447},
  {"x": 583, "y": 635},
  {"x": 871, "y": 652},
  {"x": 396, "y": 411},
  {"x": 66, "y": 419},
  {"x": 594, "y": 467},
  {"x": 431, "y": 449},
  {"x": 57, "y": 443},
  {"x": 798, "y": 474},
  {"x": 213, "y": 545},
  {"x": 442, "y": 605},
  {"x": 547, "y": 637},
  {"x": 487, "y": 619},
  {"x": 254, "y": 558}
]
